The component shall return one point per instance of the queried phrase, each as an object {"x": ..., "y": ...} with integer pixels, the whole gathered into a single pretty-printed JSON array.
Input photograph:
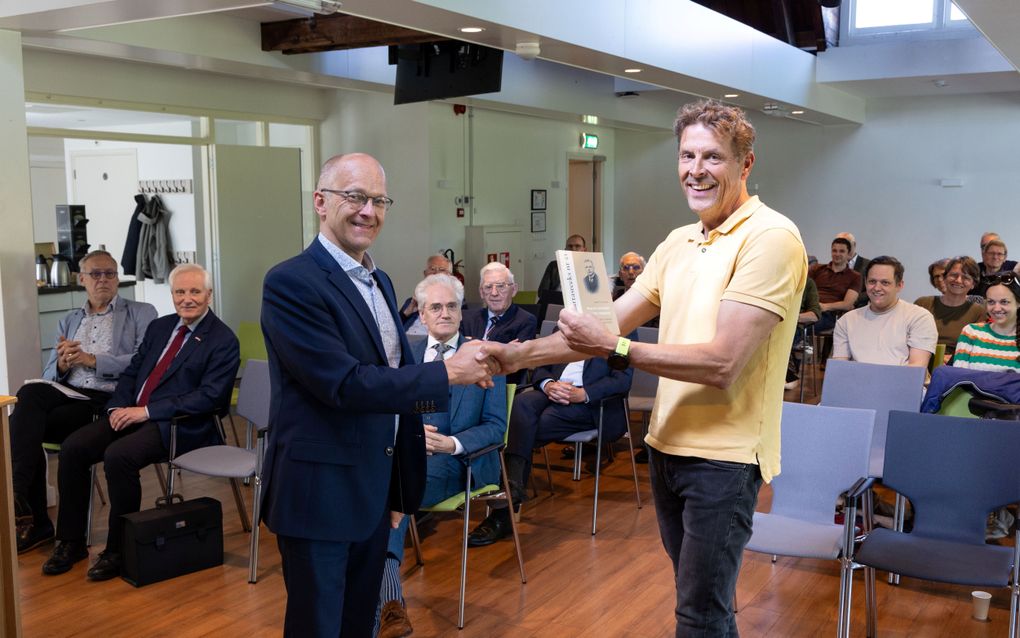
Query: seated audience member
[
  {"x": 993, "y": 345},
  {"x": 565, "y": 400},
  {"x": 954, "y": 309},
  {"x": 888, "y": 330},
  {"x": 477, "y": 419},
  {"x": 810, "y": 311},
  {"x": 185, "y": 365},
  {"x": 631, "y": 265},
  {"x": 993, "y": 260},
  {"x": 1008, "y": 264},
  {"x": 937, "y": 274},
  {"x": 837, "y": 283},
  {"x": 499, "y": 319},
  {"x": 859, "y": 264},
  {"x": 409, "y": 311},
  {"x": 94, "y": 344},
  {"x": 549, "y": 290}
]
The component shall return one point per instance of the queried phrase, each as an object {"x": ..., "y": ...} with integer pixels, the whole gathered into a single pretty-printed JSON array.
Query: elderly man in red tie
[{"x": 185, "y": 366}]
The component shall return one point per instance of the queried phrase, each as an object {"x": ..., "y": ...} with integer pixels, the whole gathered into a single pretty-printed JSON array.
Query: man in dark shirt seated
[
  {"x": 94, "y": 344},
  {"x": 186, "y": 365},
  {"x": 837, "y": 283}
]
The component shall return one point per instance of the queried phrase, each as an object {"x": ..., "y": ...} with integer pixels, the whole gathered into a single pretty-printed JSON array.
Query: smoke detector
[
  {"x": 774, "y": 109},
  {"x": 528, "y": 50}
]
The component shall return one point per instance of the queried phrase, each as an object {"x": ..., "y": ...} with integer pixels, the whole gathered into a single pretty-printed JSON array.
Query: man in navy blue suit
[
  {"x": 566, "y": 401},
  {"x": 185, "y": 365},
  {"x": 341, "y": 468},
  {"x": 476, "y": 420},
  {"x": 500, "y": 319}
]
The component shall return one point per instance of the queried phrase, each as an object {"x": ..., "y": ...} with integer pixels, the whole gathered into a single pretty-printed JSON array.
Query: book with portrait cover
[{"x": 586, "y": 286}]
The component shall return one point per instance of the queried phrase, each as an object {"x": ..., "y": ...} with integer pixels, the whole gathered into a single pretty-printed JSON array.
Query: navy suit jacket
[
  {"x": 331, "y": 459},
  {"x": 599, "y": 382},
  {"x": 199, "y": 381},
  {"x": 477, "y": 418},
  {"x": 515, "y": 324}
]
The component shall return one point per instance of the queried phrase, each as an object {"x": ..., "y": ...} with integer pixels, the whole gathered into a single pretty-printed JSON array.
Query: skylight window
[
  {"x": 882, "y": 13},
  {"x": 909, "y": 18}
]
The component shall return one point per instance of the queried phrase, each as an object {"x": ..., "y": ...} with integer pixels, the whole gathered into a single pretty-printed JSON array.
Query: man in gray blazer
[
  {"x": 94, "y": 344},
  {"x": 476, "y": 420}
]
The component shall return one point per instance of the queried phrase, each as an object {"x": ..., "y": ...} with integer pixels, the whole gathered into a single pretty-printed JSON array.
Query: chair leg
[
  {"x": 464, "y": 546},
  {"x": 578, "y": 451},
  {"x": 99, "y": 487},
  {"x": 633, "y": 466},
  {"x": 899, "y": 515},
  {"x": 598, "y": 474},
  {"x": 548, "y": 469},
  {"x": 88, "y": 520},
  {"x": 415, "y": 541},
  {"x": 513, "y": 521},
  {"x": 161, "y": 477},
  {"x": 242, "y": 511},
  {"x": 1014, "y": 598},
  {"x": 256, "y": 512}
]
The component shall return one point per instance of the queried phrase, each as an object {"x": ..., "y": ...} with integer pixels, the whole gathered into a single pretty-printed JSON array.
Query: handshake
[{"x": 478, "y": 361}]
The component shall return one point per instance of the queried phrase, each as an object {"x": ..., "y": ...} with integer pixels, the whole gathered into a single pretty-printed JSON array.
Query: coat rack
[{"x": 164, "y": 186}]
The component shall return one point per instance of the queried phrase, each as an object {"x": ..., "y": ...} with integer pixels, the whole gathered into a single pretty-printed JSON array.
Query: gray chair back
[
  {"x": 548, "y": 327},
  {"x": 643, "y": 384},
  {"x": 825, "y": 451},
  {"x": 253, "y": 397},
  {"x": 552, "y": 312},
  {"x": 850, "y": 384},
  {"x": 648, "y": 335}
]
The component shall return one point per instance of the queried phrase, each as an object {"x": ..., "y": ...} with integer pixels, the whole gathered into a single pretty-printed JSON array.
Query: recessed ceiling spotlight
[
  {"x": 732, "y": 95},
  {"x": 940, "y": 83},
  {"x": 590, "y": 119},
  {"x": 796, "y": 112},
  {"x": 471, "y": 29},
  {"x": 632, "y": 70}
]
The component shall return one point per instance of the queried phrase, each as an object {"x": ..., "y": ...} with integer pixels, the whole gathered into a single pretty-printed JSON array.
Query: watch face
[{"x": 617, "y": 361}]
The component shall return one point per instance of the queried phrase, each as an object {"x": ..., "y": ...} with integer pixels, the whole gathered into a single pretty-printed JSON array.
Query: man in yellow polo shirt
[{"x": 727, "y": 292}]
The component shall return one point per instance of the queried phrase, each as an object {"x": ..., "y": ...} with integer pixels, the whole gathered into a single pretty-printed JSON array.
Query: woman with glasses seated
[
  {"x": 993, "y": 345},
  {"x": 954, "y": 308}
]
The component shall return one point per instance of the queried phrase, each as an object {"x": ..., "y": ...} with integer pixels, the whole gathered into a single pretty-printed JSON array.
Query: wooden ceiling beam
[{"x": 336, "y": 32}]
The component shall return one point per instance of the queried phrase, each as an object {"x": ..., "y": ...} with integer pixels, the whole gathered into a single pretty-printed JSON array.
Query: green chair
[
  {"x": 253, "y": 346},
  {"x": 526, "y": 297},
  {"x": 464, "y": 500},
  {"x": 938, "y": 358},
  {"x": 957, "y": 403}
]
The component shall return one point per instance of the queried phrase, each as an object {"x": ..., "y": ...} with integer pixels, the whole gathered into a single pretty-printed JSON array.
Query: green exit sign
[{"x": 589, "y": 140}]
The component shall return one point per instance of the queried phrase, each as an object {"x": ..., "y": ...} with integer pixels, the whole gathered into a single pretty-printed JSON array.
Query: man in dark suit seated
[
  {"x": 94, "y": 343},
  {"x": 434, "y": 265},
  {"x": 500, "y": 319},
  {"x": 566, "y": 401},
  {"x": 185, "y": 366},
  {"x": 549, "y": 289},
  {"x": 341, "y": 468},
  {"x": 476, "y": 419}
]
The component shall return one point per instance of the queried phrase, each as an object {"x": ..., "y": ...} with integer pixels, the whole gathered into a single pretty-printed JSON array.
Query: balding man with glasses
[
  {"x": 94, "y": 344},
  {"x": 500, "y": 319},
  {"x": 346, "y": 454}
]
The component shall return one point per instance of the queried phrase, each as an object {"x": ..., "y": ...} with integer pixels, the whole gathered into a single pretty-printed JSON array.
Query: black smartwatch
[{"x": 619, "y": 359}]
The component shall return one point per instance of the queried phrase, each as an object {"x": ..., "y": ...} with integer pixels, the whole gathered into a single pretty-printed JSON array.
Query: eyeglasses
[
  {"x": 631, "y": 267},
  {"x": 958, "y": 275},
  {"x": 437, "y": 308},
  {"x": 1004, "y": 279},
  {"x": 497, "y": 288},
  {"x": 357, "y": 199},
  {"x": 101, "y": 274}
]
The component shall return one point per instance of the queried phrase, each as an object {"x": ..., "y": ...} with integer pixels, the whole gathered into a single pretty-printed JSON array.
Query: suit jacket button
[{"x": 389, "y": 451}]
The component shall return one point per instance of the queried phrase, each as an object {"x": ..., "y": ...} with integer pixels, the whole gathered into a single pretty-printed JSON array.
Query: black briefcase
[{"x": 172, "y": 540}]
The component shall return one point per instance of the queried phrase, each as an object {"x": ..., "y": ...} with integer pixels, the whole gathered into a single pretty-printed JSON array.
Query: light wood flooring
[{"x": 617, "y": 583}]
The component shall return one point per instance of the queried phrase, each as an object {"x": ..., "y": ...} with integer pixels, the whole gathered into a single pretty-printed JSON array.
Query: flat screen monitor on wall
[{"x": 439, "y": 70}]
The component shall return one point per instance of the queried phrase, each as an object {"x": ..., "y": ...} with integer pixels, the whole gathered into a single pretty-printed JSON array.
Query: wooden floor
[{"x": 618, "y": 583}]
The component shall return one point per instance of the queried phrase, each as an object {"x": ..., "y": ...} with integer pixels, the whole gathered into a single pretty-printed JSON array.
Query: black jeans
[
  {"x": 123, "y": 453},
  {"x": 704, "y": 508},
  {"x": 44, "y": 414}
]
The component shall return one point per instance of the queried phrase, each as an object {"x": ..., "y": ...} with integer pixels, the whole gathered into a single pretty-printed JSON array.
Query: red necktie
[{"x": 162, "y": 366}]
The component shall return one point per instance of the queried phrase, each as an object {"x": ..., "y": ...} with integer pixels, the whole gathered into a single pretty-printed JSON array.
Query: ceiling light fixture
[
  {"x": 325, "y": 7},
  {"x": 590, "y": 119},
  {"x": 471, "y": 29},
  {"x": 731, "y": 95},
  {"x": 796, "y": 112},
  {"x": 632, "y": 70}
]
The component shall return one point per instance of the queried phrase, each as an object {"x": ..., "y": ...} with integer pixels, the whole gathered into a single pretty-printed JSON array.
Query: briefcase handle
[{"x": 164, "y": 501}]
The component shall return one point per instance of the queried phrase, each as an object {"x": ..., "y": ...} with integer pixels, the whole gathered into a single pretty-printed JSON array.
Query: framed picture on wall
[
  {"x": 538, "y": 201},
  {"x": 538, "y": 221}
]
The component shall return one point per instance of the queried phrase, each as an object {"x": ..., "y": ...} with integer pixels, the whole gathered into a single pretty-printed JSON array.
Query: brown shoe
[{"x": 393, "y": 621}]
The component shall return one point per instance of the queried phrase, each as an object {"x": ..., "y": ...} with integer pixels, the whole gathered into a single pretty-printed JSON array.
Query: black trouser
[
  {"x": 123, "y": 453},
  {"x": 44, "y": 414}
]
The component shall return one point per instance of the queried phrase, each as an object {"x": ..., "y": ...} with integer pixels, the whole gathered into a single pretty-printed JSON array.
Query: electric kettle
[{"x": 60, "y": 271}]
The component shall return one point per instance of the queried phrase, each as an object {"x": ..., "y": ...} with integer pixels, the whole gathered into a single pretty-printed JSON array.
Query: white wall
[{"x": 879, "y": 181}]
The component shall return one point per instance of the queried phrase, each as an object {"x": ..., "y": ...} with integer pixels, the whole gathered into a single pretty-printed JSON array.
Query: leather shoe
[
  {"x": 107, "y": 567},
  {"x": 393, "y": 621},
  {"x": 495, "y": 526},
  {"x": 32, "y": 535},
  {"x": 65, "y": 555}
]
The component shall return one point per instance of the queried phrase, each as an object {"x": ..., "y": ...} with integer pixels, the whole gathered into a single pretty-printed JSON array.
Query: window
[{"x": 907, "y": 18}]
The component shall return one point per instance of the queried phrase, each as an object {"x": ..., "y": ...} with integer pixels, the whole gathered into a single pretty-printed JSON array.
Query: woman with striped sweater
[{"x": 995, "y": 345}]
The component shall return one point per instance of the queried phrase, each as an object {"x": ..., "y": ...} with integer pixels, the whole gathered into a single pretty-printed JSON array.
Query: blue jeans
[{"x": 704, "y": 508}]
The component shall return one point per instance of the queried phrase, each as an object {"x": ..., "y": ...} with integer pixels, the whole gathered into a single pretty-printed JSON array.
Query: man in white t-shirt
[{"x": 888, "y": 330}]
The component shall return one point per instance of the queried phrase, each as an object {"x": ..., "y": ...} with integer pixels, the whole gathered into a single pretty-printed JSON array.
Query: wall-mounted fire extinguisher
[{"x": 457, "y": 265}]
